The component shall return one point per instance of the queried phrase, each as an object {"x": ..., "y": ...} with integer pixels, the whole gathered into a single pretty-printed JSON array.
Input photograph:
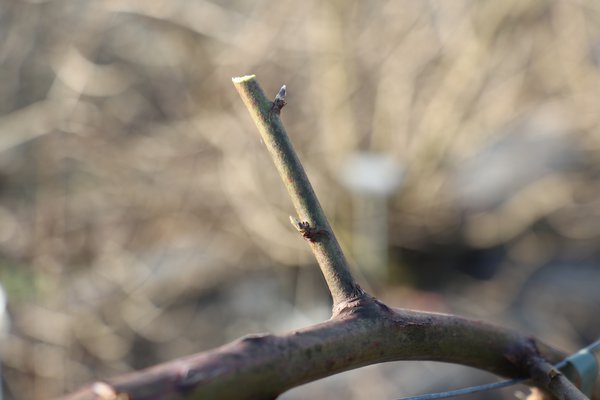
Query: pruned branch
[
  {"x": 362, "y": 330},
  {"x": 325, "y": 247}
]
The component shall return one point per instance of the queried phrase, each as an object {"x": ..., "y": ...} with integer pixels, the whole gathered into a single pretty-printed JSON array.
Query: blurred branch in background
[{"x": 140, "y": 220}]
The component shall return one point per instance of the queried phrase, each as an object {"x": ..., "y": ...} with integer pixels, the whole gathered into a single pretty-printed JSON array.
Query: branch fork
[{"x": 362, "y": 330}]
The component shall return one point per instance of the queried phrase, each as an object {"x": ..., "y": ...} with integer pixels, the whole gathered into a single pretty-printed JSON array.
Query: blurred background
[{"x": 455, "y": 147}]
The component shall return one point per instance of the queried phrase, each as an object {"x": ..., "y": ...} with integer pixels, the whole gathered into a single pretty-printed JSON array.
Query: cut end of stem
[{"x": 240, "y": 79}]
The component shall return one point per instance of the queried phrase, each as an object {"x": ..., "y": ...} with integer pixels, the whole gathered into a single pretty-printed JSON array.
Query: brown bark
[{"x": 362, "y": 330}]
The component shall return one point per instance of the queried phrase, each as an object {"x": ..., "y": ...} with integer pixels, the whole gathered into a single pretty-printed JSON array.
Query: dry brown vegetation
[{"x": 140, "y": 219}]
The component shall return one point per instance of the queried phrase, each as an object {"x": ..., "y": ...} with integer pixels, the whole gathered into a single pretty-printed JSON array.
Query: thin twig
[
  {"x": 323, "y": 243},
  {"x": 496, "y": 385},
  {"x": 547, "y": 377}
]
